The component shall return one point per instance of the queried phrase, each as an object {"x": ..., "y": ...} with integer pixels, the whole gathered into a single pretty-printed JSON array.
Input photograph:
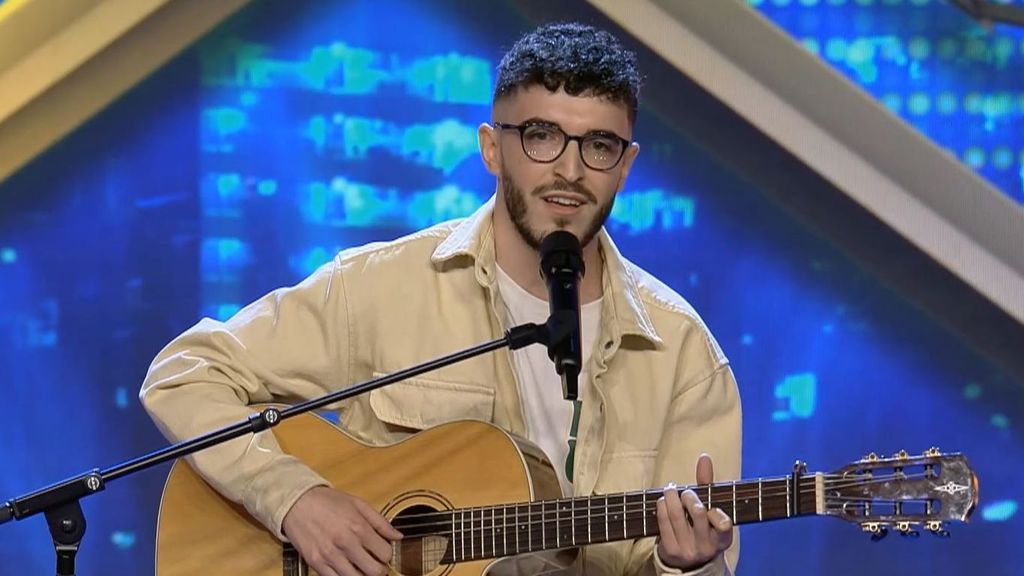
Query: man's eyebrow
[
  {"x": 539, "y": 120},
  {"x": 546, "y": 122}
]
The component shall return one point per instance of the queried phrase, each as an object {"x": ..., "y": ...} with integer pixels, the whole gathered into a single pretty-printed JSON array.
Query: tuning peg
[
  {"x": 901, "y": 455},
  {"x": 876, "y": 529},
  {"x": 933, "y": 451},
  {"x": 872, "y": 457},
  {"x": 935, "y": 527},
  {"x": 906, "y": 529}
]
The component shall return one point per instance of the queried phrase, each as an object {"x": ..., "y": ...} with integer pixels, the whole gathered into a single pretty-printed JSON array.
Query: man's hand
[
  {"x": 340, "y": 535},
  {"x": 690, "y": 535}
]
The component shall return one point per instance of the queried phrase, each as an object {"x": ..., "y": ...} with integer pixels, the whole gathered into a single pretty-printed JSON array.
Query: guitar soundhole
[{"x": 418, "y": 555}]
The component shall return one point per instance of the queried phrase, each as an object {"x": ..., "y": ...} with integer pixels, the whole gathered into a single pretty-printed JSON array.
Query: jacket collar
[{"x": 473, "y": 238}]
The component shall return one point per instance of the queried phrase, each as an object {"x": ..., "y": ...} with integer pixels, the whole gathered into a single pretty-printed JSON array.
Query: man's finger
[
  {"x": 705, "y": 470},
  {"x": 379, "y": 523},
  {"x": 720, "y": 520}
]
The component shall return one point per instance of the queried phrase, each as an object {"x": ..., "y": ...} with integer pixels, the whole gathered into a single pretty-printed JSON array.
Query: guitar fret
[
  {"x": 572, "y": 521},
  {"x": 558, "y": 534},
  {"x": 606, "y": 513},
  {"x": 504, "y": 530},
  {"x": 623, "y": 514},
  {"x": 590, "y": 536},
  {"x": 789, "y": 507},
  {"x": 734, "y": 502},
  {"x": 544, "y": 527},
  {"x": 644, "y": 516},
  {"x": 519, "y": 528},
  {"x": 760, "y": 514},
  {"x": 461, "y": 514},
  {"x": 472, "y": 532},
  {"x": 529, "y": 528},
  {"x": 494, "y": 541}
]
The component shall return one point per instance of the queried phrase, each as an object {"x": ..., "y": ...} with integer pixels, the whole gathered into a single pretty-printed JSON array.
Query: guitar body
[{"x": 457, "y": 465}]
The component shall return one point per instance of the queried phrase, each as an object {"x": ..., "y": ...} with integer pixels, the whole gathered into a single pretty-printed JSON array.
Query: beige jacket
[{"x": 661, "y": 391}]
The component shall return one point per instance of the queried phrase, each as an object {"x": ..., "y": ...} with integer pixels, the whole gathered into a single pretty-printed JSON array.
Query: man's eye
[
  {"x": 602, "y": 145},
  {"x": 540, "y": 134}
]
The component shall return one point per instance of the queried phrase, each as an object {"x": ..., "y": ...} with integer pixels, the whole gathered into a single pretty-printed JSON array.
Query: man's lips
[{"x": 564, "y": 200}]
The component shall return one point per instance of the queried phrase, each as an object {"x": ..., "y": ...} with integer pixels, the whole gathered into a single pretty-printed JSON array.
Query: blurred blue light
[
  {"x": 122, "y": 540},
  {"x": 8, "y": 255},
  {"x": 799, "y": 393},
  {"x": 121, "y": 397},
  {"x": 267, "y": 188},
  {"x": 972, "y": 391},
  {"x": 947, "y": 103},
  {"x": 306, "y": 263},
  {"x": 919, "y": 104},
  {"x": 653, "y": 209},
  {"x": 1002, "y": 158},
  {"x": 226, "y": 311},
  {"x": 975, "y": 157},
  {"x": 1000, "y": 511},
  {"x": 249, "y": 98},
  {"x": 1000, "y": 421}
]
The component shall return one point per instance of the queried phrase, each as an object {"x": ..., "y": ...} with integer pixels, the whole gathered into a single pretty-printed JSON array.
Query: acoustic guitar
[{"x": 467, "y": 493}]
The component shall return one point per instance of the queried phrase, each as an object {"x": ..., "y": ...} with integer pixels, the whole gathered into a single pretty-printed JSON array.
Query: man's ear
[
  {"x": 487, "y": 137},
  {"x": 627, "y": 164}
]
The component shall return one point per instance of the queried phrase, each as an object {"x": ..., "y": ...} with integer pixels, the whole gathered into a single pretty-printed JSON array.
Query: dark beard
[{"x": 515, "y": 203}]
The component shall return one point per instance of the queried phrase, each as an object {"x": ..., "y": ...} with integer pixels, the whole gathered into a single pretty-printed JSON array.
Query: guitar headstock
[{"x": 902, "y": 492}]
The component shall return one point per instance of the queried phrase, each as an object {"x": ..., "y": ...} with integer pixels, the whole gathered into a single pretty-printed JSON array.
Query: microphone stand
[{"x": 59, "y": 503}]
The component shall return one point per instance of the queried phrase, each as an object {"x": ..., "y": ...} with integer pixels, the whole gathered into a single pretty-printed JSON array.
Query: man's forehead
[{"x": 584, "y": 112}]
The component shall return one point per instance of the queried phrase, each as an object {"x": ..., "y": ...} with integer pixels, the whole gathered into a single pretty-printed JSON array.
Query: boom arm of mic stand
[{"x": 60, "y": 502}]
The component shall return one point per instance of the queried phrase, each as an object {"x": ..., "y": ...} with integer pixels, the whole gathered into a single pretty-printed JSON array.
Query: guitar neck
[{"x": 505, "y": 530}]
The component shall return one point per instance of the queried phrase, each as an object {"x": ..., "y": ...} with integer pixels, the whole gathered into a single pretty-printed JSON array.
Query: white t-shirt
[{"x": 548, "y": 413}]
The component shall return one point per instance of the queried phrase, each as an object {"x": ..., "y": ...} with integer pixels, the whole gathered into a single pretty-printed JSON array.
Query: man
[{"x": 656, "y": 391}]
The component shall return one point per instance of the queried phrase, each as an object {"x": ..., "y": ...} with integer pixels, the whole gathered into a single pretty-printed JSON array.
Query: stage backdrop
[{"x": 299, "y": 129}]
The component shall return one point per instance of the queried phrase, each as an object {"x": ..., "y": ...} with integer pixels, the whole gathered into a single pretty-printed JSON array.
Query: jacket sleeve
[
  {"x": 292, "y": 343},
  {"x": 704, "y": 417}
]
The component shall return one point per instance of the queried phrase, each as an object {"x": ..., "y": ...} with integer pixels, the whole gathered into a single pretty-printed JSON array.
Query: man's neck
[{"x": 522, "y": 263}]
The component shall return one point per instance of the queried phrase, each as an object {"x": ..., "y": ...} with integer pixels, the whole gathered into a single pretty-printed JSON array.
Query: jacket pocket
[
  {"x": 421, "y": 403},
  {"x": 626, "y": 470}
]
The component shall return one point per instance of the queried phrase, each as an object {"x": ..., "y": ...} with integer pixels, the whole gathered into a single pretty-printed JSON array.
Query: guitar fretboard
[{"x": 505, "y": 530}]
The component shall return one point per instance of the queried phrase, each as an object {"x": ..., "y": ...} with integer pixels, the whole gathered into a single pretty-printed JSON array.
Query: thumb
[{"x": 705, "y": 470}]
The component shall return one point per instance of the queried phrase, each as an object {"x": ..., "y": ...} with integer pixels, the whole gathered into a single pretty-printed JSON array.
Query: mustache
[{"x": 565, "y": 185}]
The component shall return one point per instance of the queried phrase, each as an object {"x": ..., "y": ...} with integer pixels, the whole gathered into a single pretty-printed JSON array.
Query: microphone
[{"x": 561, "y": 266}]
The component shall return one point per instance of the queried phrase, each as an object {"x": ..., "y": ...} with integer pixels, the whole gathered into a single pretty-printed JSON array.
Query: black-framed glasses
[{"x": 545, "y": 143}]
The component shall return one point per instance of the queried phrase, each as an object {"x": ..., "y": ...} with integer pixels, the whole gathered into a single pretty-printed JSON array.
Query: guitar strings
[
  {"x": 485, "y": 542},
  {"x": 444, "y": 518},
  {"x": 746, "y": 494},
  {"x": 565, "y": 529}
]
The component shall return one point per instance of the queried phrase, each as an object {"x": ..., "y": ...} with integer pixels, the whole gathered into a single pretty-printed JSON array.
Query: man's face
[{"x": 565, "y": 194}]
